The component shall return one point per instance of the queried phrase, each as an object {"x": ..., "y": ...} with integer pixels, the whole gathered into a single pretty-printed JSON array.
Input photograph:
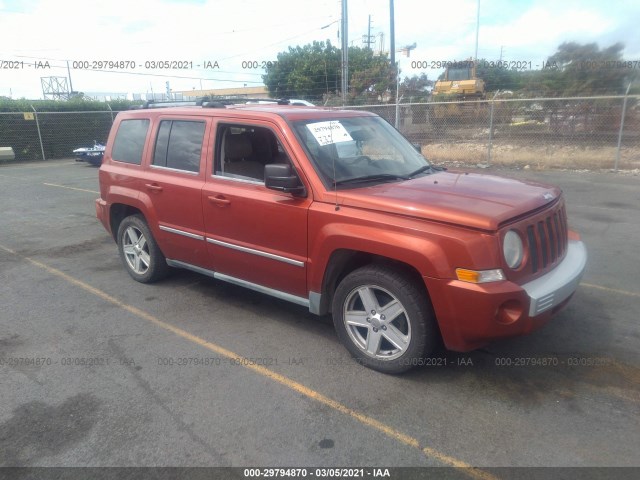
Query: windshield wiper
[
  {"x": 370, "y": 178},
  {"x": 424, "y": 168}
]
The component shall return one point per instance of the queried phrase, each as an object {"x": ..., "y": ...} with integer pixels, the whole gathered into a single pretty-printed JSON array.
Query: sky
[{"x": 234, "y": 36}]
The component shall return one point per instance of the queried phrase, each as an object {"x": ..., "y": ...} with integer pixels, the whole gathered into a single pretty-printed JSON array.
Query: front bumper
[
  {"x": 559, "y": 284},
  {"x": 472, "y": 315}
]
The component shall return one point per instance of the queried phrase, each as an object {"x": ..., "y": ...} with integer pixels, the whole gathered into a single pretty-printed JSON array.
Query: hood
[{"x": 467, "y": 199}]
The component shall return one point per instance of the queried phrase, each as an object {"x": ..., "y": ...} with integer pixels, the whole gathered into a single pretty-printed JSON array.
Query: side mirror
[{"x": 279, "y": 176}]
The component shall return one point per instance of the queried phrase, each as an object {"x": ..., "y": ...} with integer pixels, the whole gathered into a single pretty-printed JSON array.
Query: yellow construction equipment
[{"x": 460, "y": 81}]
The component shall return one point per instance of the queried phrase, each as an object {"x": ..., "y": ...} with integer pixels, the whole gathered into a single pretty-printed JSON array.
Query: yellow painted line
[
  {"x": 70, "y": 188},
  {"x": 608, "y": 289},
  {"x": 40, "y": 165},
  {"x": 387, "y": 430}
]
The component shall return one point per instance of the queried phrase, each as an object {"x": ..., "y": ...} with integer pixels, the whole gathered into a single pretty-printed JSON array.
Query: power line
[
  {"x": 271, "y": 44},
  {"x": 121, "y": 72},
  {"x": 268, "y": 27}
]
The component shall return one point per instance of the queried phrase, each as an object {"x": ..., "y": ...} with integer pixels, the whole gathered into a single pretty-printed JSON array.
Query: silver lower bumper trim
[{"x": 556, "y": 286}]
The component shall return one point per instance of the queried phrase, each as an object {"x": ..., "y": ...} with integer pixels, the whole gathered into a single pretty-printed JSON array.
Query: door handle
[
  {"x": 219, "y": 200},
  {"x": 153, "y": 186}
]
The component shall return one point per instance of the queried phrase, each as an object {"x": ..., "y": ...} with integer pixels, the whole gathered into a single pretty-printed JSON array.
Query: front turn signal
[{"x": 479, "y": 276}]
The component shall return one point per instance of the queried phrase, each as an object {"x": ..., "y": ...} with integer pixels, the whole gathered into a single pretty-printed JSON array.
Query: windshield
[
  {"x": 359, "y": 150},
  {"x": 459, "y": 74}
]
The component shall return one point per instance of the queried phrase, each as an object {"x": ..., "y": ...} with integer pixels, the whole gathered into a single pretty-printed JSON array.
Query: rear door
[
  {"x": 254, "y": 234},
  {"x": 174, "y": 183}
]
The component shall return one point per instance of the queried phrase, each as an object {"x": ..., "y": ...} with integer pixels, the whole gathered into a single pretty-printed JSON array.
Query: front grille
[{"x": 547, "y": 240}]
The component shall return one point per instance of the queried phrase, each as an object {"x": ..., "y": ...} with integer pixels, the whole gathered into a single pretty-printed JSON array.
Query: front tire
[
  {"x": 139, "y": 251},
  {"x": 384, "y": 320}
]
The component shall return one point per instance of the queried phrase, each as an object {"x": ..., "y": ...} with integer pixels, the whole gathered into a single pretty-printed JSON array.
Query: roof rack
[
  {"x": 208, "y": 102},
  {"x": 198, "y": 102}
]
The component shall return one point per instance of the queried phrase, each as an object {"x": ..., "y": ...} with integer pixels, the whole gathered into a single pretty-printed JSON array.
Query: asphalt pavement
[{"x": 98, "y": 370}]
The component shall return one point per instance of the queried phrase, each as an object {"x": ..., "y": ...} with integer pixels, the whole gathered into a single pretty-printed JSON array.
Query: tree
[
  {"x": 497, "y": 78},
  {"x": 573, "y": 70},
  {"x": 313, "y": 71},
  {"x": 416, "y": 88},
  {"x": 304, "y": 72},
  {"x": 372, "y": 78},
  {"x": 581, "y": 70}
]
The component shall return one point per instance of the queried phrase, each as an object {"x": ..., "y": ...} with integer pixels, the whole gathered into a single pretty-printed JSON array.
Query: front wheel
[
  {"x": 383, "y": 319},
  {"x": 139, "y": 251}
]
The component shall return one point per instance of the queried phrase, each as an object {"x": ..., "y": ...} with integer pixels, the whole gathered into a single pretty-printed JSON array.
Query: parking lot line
[
  {"x": 609, "y": 289},
  {"x": 48, "y": 164},
  {"x": 71, "y": 188},
  {"x": 307, "y": 392}
]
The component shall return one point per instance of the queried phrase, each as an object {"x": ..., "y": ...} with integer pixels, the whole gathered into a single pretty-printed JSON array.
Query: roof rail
[
  {"x": 198, "y": 102},
  {"x": 240, "y": 100},
  {"x": 209, "y": 102}
]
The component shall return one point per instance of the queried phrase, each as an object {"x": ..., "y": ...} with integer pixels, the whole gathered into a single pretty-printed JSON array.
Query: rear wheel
[
  {"x": 139, "y": 251},
  {"x": 384, "y": 319}
]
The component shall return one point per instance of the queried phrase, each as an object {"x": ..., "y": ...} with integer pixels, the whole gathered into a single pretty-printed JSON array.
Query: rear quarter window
[{"x": 129, "y": 141}]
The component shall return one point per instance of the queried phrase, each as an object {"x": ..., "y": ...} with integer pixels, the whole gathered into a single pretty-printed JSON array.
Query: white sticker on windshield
[{"x": 330, "y": 132}]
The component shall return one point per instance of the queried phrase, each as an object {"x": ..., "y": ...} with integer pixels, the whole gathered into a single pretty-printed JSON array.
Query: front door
[{"x": 254, "y": 234}]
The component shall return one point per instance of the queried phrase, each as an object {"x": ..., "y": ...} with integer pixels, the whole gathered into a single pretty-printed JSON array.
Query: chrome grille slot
[
  {"x": 558, "y": 234},
  {"x": 533, "y": 248},
  {"x": 565, "y": 234},
  {"x": 543, "y": 243},
  {"x": 547, "y": 239},
  {"x": 552, "y": 239}
]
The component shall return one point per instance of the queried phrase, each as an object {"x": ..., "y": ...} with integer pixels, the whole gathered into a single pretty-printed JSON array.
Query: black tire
[
  {"x": 414, "y": 328},
  {"x": 144, "y": 261}
]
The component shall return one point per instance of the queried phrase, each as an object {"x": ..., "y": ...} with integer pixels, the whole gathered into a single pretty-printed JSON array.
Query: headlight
[{"x": 512, "y": 249}]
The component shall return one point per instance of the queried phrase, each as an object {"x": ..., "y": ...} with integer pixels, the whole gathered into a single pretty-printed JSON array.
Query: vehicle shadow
[{"x": 574, "y": 354}]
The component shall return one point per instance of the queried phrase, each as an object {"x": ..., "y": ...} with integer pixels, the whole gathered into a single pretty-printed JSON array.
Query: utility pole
[
  {"x": 624, "y": 111},
  {"x": 407, "y": 51},
  {"x": 368, "y": 39},
  {"x": 501, "y": 51},
  {"x": 475, "y": 58},
  {"x": 345, "y": 52},
  {"x": 392, "y": 33}
]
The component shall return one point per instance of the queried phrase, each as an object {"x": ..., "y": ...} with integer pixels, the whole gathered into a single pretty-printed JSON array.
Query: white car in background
[{"x": 292, "y": 101}]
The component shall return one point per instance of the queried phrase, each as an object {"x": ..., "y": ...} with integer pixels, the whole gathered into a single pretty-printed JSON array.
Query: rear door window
[
  {"x": 179, "y": 145},
  {"x": 129, "y": 142}
]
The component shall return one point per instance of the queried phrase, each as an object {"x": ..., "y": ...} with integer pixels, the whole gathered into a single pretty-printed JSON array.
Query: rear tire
[
  {"x": 139, "y": 252},
  {"x": 384, "y": 319}
]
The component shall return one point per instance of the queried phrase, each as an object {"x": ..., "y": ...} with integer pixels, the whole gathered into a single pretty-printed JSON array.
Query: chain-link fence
[
  {"x": 581, "y": 132},
  {"x": 50, "y": 135}
]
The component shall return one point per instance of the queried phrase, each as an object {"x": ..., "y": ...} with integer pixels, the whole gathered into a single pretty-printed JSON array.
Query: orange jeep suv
[{"x": 336, "y": 211}]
